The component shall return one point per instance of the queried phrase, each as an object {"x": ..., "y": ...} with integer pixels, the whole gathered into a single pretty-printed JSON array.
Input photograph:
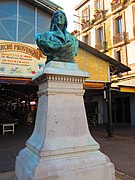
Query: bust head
[{"x": 60, "y": 19}]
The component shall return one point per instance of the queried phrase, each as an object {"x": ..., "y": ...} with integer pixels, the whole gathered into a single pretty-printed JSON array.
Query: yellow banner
[
  {"x": 20, "y": 48},
  {"x": 19, "y": 59}
]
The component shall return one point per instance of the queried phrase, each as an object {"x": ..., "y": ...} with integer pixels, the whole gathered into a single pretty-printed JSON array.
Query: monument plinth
[{"x": 61, "y": 146}]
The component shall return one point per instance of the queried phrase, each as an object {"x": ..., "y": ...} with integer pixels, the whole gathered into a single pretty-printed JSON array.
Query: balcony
[
  {"x": 98, "y": 15},
  {"x": 117, "y": 4},
  {"x": 101, "y": 46},
  {"x": 85, "y": 24},
  {"x": 126, "y": 1},
  {"x": 120, "y": 38}
]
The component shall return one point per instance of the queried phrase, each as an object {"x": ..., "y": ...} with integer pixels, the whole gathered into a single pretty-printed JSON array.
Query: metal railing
[
  {"x": 99, "y": 15},
  {"x": 101, "y": 45},
  {"x": 84, "y": 25},
  {"x": 120, "y": 37},
  {"x": 116, "y": 4}
]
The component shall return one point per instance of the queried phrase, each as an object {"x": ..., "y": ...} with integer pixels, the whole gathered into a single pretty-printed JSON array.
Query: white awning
[{"x": 125, "y": 85}]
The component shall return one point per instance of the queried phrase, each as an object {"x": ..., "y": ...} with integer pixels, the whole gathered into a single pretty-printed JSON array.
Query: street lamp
[{"x": 107, "y": 96}]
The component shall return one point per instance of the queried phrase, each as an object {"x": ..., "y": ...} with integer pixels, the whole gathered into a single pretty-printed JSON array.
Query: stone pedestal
[{"x": 61, "y": 147}]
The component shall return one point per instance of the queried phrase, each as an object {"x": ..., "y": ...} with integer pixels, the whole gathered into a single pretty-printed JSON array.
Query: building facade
[{"x": 109, "y": 26}]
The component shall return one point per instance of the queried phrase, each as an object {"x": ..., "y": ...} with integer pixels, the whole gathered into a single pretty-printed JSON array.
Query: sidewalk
[
  {"x": 7, "y": 175},
  {"x": 120, "y": 149}
]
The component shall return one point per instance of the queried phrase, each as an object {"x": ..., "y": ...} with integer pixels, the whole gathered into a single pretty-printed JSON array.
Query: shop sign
[{"x": 20, "y": 60}]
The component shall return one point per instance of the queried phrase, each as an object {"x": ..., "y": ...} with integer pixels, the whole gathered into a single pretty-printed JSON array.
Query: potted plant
[
  {"x": 83, "y": 20},
  {"x": 92, "y": 21},
  {"x": 96, "y": 11}
]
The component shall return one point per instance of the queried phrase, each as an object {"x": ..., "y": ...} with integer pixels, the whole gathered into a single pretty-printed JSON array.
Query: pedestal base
[
  {"x": 75, "y": 166},
  {"x": 61, "y": 146}
]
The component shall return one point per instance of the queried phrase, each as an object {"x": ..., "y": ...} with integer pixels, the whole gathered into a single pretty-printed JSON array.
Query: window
[
  {"x": 118, "y": 25},
  {"x": 98, "y": 10},
  {"x": 99, "y": 38},
  {"x": 85, "y": 18},
  {"x": 86, "y": 14},
  {"x": 118, "y": 55},
  {"x": 98, "y": 4},
  {"x": 118, "y": 30},
  {"x": 89, "y": 39},
  {"x": 86, "y": 39},
  {"x": 100, "y": 34}
]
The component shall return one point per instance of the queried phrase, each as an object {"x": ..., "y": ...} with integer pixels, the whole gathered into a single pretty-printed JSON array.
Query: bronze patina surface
[{"x": 58, "y": 44}]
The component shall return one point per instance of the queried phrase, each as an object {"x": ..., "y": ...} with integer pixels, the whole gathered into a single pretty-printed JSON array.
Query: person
[{"x": 58, "y": 44}]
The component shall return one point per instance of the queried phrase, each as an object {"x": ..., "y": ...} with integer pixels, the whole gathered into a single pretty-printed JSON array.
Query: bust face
[{"x": 59, "y": 18}]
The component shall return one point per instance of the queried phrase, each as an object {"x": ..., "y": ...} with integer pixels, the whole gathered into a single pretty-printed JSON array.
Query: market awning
[
  {"x": 93, "y": 85},
  {"x": 125, "y": 86},
  {"x": 15, "y": 80}
]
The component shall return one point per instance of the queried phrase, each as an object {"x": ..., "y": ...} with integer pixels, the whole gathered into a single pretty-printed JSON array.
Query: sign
[{"x": 20, "y": 60}]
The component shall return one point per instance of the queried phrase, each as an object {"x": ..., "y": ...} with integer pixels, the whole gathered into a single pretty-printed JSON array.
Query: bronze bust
[{"x": 58, "y": 44}]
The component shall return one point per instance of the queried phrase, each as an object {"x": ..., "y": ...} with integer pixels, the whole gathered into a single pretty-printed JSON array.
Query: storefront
[
  {"x": 19, "y": 62},
  {"x": 20, "y": 59},
  {"x": 123, "y": 101}
]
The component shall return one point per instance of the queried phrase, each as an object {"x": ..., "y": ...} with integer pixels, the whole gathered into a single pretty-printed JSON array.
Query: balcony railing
[
  {"x": 120, "y": 37},
  {"x": 115, "y": 4},
  {"x": 101, "y": 46},
  {"x": 99, "y": 15},
  {"x": 85, "y": 24},
  {"x": 126, "y": 1}
]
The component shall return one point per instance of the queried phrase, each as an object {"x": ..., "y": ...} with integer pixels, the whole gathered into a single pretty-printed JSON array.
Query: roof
[
  {"x": 124, "y": 85},
  {"x": 81, "y": 4},
  {"x": 48, "y": 5},
  {"x": 120, "y": 67}
]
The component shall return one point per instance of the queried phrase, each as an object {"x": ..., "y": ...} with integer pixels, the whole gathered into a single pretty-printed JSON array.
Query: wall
[{"x": 97, "y": 68}]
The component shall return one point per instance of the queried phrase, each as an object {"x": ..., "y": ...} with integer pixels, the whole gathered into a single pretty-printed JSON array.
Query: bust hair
[{"x": 52, "y": 20}]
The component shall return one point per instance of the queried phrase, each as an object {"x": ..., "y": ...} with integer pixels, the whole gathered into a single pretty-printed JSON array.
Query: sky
[{"x": 68, "y": 7}]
